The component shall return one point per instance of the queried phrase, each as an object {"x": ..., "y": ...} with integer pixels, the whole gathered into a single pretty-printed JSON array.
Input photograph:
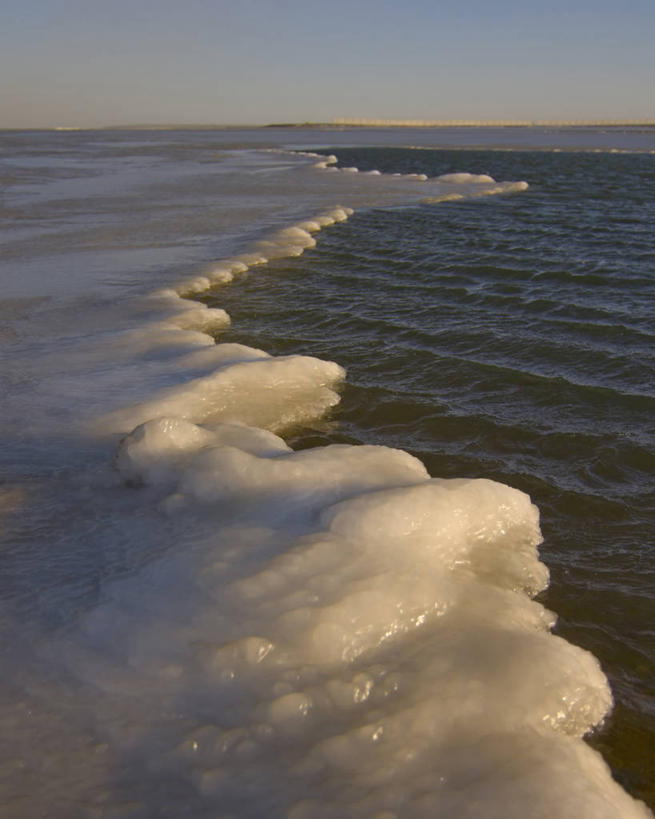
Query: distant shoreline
[
  {"x": 493, "y": 123},
  {"x": 340, "y": 124}
]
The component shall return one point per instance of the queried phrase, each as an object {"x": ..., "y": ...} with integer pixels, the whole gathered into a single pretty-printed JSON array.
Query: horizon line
[{"x": 355, "y": 122}]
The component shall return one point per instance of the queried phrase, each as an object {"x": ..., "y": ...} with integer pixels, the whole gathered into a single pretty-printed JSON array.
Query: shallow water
[{"x": 505, "y": 337}]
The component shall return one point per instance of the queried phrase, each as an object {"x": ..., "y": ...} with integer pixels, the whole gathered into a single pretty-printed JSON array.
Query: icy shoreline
[{"x": 326, "y": 633}]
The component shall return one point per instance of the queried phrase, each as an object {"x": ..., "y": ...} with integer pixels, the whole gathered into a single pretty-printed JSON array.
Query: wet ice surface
[{"x": 198, "y": 619}]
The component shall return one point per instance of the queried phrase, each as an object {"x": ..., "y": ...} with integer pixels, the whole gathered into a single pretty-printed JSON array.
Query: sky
[{"x": 89, "y": 63}]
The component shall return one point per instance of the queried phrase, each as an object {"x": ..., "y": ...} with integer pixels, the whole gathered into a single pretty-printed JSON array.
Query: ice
[
  {"x": 459, "y": 178},
  {"x": 323, "y": 633},
  {"x": 189, "y": 315},
  {"x": 352, "y": 636},
  {"x": 152, "y": 452},
  {"x": 268, "y": 392}
]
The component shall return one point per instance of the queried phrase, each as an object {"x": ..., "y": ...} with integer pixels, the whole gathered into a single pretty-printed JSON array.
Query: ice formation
[
  {"x": 332, "y": 633},
  {"x": 348, "y": 636}
]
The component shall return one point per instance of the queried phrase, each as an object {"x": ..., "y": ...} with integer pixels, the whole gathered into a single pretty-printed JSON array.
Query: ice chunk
[{"x": 271, "y": 393}]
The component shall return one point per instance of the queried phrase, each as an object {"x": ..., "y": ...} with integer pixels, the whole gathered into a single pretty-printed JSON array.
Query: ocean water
[{"x": 327, "y": 473}]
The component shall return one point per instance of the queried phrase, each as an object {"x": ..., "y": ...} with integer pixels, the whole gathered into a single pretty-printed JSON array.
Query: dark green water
[{"x": 509, "y": 338}]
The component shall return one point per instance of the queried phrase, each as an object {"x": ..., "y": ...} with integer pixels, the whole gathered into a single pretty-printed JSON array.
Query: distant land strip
[
  {"x": 366, "y": 122},
  {"x": 499, "y": 123}
]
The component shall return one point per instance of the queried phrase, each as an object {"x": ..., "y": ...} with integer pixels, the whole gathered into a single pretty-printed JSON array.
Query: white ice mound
[
  {"x": 291, "y": 241},
  {"x": 237, "y": 462},
  {"x": 189, "y": 315},
  {"x": 155, "y": 452},
  {"x": 483, "y": 525},
  {"x": 347, "y": 637},
  {"x": 258, "y": 390},
  {"x": 286, "y": 242},
  {"x": 464, "y": 178}
]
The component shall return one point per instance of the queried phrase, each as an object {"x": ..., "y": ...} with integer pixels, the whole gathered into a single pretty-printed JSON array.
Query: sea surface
[{"x": 279, "y": 407}]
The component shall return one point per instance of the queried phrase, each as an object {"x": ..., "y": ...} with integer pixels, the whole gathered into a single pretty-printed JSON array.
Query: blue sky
[{"x": 83, "y": 62}]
